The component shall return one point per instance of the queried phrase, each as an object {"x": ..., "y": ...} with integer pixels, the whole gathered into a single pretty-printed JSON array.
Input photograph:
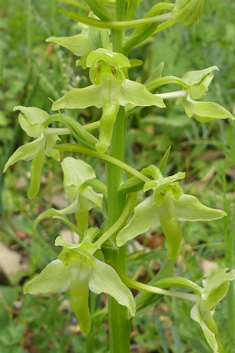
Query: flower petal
[
  {"x": 80, "y": 98},
  {"x": 50, "y": 151},
  {"x": 51, "y": 212},
  {"x": 215, "y": 287},
  {"x": 79, "y": 293},
  {"x": 25, "y": 152},
  {"x": 36, "y": 171},
  {"x": 137, "y": 94},
  {"x": 54, "y": 278},
  {"x": 31, "y": 120},
  {"x": 208, "y": 111},
  {"x": 76, "y": 172},
  {"x": 145, "y": 217},
  {"x": 189, "y": 208},
  {"x": 210, "y": 336},
  {"x": 105, "y": 279},
  {"x": 79, "y": 44}
]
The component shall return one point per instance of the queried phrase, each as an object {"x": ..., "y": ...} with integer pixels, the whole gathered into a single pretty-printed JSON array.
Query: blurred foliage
[{"x": 31, "y": 71}]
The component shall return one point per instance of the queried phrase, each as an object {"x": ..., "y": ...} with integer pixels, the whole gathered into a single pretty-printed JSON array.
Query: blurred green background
[{"x": 32, "y": 73}]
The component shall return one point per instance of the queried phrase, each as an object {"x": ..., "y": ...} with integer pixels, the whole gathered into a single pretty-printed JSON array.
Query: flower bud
[{"x": 187, "y": 12}]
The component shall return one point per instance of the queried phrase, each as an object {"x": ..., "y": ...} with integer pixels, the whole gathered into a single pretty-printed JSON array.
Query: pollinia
[{"x": 98, "y": 262}]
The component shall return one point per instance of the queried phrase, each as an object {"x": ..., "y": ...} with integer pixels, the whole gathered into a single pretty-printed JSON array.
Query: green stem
[
  {"x": 114, "y": 24},
  {"x": 165, "y": 81},
  {"x": 119, "y": 322},
  {"x": 141, "y": 286},
  {"x": 69, "y": 147},
  {"x": 129, "y": 205}
]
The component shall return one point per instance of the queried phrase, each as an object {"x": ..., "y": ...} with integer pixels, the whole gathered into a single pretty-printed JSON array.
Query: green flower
[
  {"x": 110, "y": 90},
  {"x": 31, "y": 120},
  {"x": 197, "y": 83},
  {"x": 78, "y": 270},
  {"x": 167, "y": 206},
  {"x": 76, "y": 174},
  {"x": 215, "y": 289}
]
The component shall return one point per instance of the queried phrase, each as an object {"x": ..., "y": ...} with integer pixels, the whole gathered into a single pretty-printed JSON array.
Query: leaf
[
  {"x": 157, "y": 73},
  {"x": 9, "y": 295},
  {"x": 105, "y": 279},
  {"x": 145, "y": 217},
  {"x": 164, "y": 159},
  {"x": 79, "y": 44},
  {"x": 55, "y": 277},
  {"x": 189, "y": 208}
]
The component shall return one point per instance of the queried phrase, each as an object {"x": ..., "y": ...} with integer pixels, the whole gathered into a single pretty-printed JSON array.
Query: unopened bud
[{"x": 187, "y": 12}]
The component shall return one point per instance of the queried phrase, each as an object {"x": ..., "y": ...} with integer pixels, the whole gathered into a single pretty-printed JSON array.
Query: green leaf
[
  {"x": 79, "y": 44},
  {"x": 189, "y": 208},
  {"x": 80, "y": 98},
  {"x": 54, "y": 278},
  {"x": 9, "y": 295},
  {"x": 132, "y": 92},
  {"x": 105, "y": 279},
  {"x": 208, "y": 111},
  {"x": 26, "y": 152},
  {"x": 76, "y": 172},
  {"x": 164, "y": 159},
  {"x": 145, "y": 217},
  {"x": 157, "y": 73}
]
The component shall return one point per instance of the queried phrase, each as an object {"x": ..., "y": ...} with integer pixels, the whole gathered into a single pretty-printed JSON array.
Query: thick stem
[{"x": 119, "y": 323}]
